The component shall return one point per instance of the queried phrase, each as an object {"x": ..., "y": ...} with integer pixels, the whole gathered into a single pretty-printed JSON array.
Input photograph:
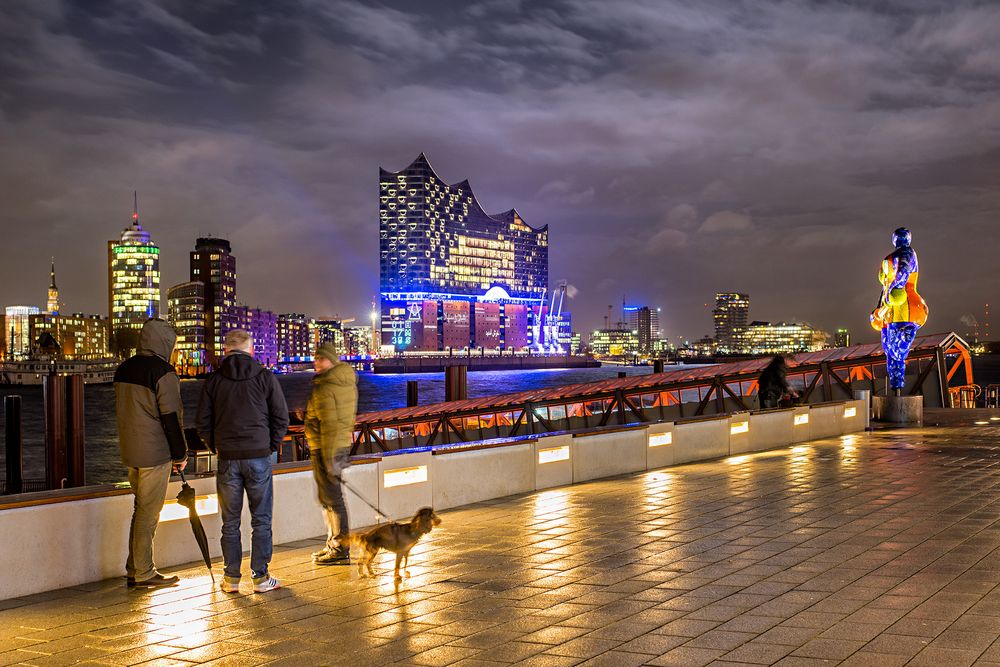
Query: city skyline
[{"x": 679, "y": 151}]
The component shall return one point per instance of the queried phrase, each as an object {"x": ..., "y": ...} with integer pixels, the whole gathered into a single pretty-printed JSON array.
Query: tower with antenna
[
  {"x": 133, "y": 283},
  {"x": 53, "y": 301}
]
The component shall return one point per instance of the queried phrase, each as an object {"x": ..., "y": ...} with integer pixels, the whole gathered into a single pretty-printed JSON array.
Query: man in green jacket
[{"x": 329, "y": 427}]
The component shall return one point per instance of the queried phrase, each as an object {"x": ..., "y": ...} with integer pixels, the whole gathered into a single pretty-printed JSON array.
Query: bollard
[
  {"x": 411, "y": 393},
  {"x": 455, "y": 383},
  {"x": 14, "y": 443},
  {"x": 54, "y": 397},
  {"x": 658, "y": 365},
  {"x": 75, "y": 432}
]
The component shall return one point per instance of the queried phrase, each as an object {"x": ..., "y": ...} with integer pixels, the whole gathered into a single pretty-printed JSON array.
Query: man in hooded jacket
[
  {"x": 151, "y": 439},
  {"x": 329, "y": 426},
  {"x": 242, "y": 415}
]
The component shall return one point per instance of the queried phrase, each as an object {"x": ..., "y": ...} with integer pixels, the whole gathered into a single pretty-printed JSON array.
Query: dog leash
[{"x": 360, "y": 497}]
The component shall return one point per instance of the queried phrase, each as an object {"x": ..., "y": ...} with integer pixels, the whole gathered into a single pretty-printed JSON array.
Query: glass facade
[
  {"x": 80, "y": 337},
  {"x": 213, "y": 265},
  {"x": 133, "y": 284},
  {"x": 17, "y": 330},
  {"x": 186, "y": 313},
  {"x": 784, "y": 338},
  {"x": 438, "y": 246}
]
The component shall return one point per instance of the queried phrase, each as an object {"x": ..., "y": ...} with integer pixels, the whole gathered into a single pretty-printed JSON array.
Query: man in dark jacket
[
  {"x": 151, "y": 439},
  {"x": 772, "y": 384},
  {"x": 243, "y": 417}
]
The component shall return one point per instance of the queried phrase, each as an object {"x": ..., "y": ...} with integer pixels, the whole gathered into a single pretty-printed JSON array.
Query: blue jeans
[{"x": 232, "y": 478}]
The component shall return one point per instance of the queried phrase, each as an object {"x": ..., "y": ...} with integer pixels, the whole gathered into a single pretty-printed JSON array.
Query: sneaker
[
  {"x": 322, "y": 553},
  {"x": 230, "y": 585},
  {"x": 339, "y": 556},
  {"x": 156, "y": 581},
  {"x": 265, "y": 584}
]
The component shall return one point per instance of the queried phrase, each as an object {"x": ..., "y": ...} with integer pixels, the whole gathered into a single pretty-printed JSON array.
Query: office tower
[
  {"x": 262, "y": 325},
  {"x": 842, "y": 338},
  {"x": 731, "y": 314},
  {"x": 784, "y": 338},
  {"x": 440, "y": 254},
  {"x": 186, "y": 313},
  {"x": 296, "y": 338},
  {"x": 133, "y": 284},
  {"x": 213, "y": 265},
  {"x": 645, "y": 322}
]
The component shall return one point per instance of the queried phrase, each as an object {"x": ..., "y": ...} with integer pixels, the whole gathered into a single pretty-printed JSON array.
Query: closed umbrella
[{"x": 187, "y": 498}]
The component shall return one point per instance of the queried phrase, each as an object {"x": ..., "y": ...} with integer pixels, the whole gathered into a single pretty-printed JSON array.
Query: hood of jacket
[
  {"x": 240, "y": 366},
  {"x": 157, "y": 337},
  {"x": 340, "y": 374}
]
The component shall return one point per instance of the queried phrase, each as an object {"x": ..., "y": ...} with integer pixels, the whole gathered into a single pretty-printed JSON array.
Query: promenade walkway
[{"x": 872, "y": 549}]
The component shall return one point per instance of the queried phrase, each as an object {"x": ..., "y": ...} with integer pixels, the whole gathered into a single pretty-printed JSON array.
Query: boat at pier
[{"x": 33, "y": 371}]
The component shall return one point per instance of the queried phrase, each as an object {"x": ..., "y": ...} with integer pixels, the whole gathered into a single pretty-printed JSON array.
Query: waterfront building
[
  {"x": 331, "y": 331},
  {"x": 296, "y": 341},
  {"x": 645, "y": 321},
  {"x": 842, "y": 338},
  {"x": 133, "y": 285},
  {"x": 3, "y": 336},
  {"x": 441, "y": 255},
  {"x": 213, "y": 264},
  {"x": 262, "y": 325},
  {"x": 17, "y": 330},
  {"x": 186, "y": 313},
  {"x": 731, "y": 314},
  {"x": 358, "y": 341},
  {"x": 784, "y": 338},
  {"x": 614, "y": 343},
  {"x": 79, "y": 337},
  {"x": 52, "y": 305}
]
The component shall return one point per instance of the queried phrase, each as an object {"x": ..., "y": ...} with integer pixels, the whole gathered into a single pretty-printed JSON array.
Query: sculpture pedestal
[{"x": 898, "y": 409}]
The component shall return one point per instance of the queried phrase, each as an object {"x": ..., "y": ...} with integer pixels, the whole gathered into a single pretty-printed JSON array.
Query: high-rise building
[
  {"x": 213, "y": 265},
  {"x": 645, "y": 322},
  {"x": 358, "y": 341},
  {"x": 330, "y": 331},
  {"x": 296, "y": 338},
  {"x": 17, "y": 327},
  {"x": 133, "y": 284},
  {"x": 186, "y": 313},
  {"x": 842, "y": 338},
  {"x": 53, "y": 301},
  {"x": 731, "y": 314},
  {"x": 784, "y": 338},
  {"x": 441, "y": 254},
  {"x": 79, "y": 336}
]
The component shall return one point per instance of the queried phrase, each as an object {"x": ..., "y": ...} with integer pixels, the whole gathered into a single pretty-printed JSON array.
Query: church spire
[{"x": 53, "y": 302}]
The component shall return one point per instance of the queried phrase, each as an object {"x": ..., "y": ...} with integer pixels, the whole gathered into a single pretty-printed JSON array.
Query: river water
[{"x": 375, "y": 392}]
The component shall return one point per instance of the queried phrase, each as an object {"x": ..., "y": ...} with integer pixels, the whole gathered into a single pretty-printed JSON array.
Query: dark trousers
[
  {"x": 327, "y": 471},
  {"x": 232, "y": 479}
]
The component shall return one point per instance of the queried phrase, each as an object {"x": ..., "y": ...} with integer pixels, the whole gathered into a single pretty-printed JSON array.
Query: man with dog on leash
[{"x": 329, "y": 426}]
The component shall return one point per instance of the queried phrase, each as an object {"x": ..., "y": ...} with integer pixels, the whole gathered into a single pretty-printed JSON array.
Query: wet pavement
[{"x": 872, "y": 549}]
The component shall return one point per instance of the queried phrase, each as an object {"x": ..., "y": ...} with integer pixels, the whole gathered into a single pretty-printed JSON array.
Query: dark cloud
[{"x": 673, "y": 148}]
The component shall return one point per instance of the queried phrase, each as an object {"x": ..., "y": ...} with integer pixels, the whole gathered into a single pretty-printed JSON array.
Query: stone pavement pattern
[{"x": 873, "y": 549}]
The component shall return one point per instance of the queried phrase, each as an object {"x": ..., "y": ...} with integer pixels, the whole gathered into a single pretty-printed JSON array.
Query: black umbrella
[{"x": 187, "y": 499}]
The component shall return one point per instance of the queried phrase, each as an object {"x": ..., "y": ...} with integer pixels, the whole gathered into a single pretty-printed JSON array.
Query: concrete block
[
  {"x": 854, "y": 416},
  {"x": 801, "y": 424},
  {"x": 364, "y": 482},
  {"x": 703, "y": 439},
  {"x": 659, "y": 445},
  {"x": 465, "y": 477},
  {"x": 553, "y": 461},
  {"x": 404, "y": 484},
  {"x": 824, "y": 421},
  {"x": 898, "y": 409},
  {"x": 739, "y": 433},
  {"x": 608, "y": 454},
  {"x": 774, "y": 428}
]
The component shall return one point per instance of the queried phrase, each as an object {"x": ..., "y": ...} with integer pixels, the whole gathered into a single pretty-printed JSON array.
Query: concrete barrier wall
[{"x": 69, "y": 543}]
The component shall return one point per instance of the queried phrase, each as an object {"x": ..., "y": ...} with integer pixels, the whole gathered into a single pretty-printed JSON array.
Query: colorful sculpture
[{"x": 901, "y": 310}]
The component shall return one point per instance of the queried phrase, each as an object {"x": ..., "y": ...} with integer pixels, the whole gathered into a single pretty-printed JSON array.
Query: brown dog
[{"x": 396, "y": 537}]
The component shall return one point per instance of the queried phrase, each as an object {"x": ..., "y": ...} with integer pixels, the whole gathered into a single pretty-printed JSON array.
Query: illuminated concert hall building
[{"x": 453, "y": 276}]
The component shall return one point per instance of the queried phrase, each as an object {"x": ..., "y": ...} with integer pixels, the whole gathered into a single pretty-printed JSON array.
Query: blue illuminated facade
[{"x": 440, "y": 254}]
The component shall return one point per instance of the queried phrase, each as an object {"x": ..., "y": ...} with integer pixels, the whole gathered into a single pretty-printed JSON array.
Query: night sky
[{"x": 673, "y": 148}]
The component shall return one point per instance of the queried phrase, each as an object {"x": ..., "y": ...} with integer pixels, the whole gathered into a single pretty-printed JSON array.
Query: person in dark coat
[
  {"x": 772, "y": 384},
  {"x": 150, "y": 420},
  {"x": 242, "y": 415}
]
